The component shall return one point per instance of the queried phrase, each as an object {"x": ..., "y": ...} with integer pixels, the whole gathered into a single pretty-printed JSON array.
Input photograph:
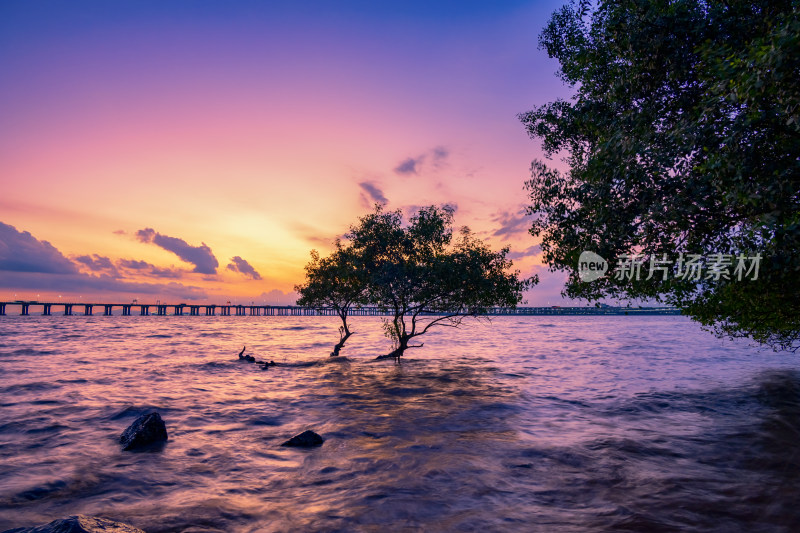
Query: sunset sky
[{"x": 198, "y": 150}]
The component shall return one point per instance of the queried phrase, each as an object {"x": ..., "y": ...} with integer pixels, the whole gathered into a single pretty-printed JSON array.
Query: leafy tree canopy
[
  {"x": 683, "y": 136},
  {"x": 425, "y": 278},
  {"x": 417, "y": 271}
]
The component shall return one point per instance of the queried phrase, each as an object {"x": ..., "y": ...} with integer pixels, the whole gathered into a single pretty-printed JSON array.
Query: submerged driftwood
[{"x": 250, "y": 359}]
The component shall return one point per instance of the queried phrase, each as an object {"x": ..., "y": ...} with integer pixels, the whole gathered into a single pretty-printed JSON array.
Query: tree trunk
[
  {"x": 397, "y": 353},
  {"x": 340, "y": 344}
]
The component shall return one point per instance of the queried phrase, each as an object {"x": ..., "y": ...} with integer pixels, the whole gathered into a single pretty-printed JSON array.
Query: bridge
[{"x": 26, "y": 308}]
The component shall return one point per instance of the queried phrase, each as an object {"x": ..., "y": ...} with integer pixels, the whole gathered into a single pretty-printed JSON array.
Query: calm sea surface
[{"x": 527, "y": 424}]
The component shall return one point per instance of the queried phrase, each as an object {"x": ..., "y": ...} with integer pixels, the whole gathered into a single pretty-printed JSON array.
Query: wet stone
[
  {"x": 79, "y": 524},
  {"x": 306, "y": 439},
  {"x": 146, "y": 430}
]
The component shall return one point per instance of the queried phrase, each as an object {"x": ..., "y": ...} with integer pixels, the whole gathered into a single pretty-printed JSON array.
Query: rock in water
[
  {"x": 147, "y": 429},
  {"x": 306, "y": 439},
  {"x": 79, "y": 524}
]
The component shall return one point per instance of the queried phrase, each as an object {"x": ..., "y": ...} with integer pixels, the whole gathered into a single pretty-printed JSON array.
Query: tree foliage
[
  {"x": 683, "y": 135},
  {"x": 416, "y": 271}
]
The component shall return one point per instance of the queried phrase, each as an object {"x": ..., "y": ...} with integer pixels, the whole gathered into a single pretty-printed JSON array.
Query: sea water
[{"x": 559, "y": 423}]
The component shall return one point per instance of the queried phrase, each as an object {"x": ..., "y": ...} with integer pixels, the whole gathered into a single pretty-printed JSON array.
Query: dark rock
[
  {"x": 306, "y": 439},
  {"x": 79, "y": 524},
  {"x": 145, "y": 430},
  {"x": 265, "y": 367}
]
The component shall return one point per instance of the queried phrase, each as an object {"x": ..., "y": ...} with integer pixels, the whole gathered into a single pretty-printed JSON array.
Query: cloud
[
  {"x": 243, "y": 267},
  {"x": 439, "y": 155},
  {"x": 120, "y": 232},
  {"x": 76, "y": 283},
  {"x": 413, "y": 165},
  {"x": 411, "y": 210},
  {"x": 409, "y": 166},
  {"x": 30, "y": 264},
  {"x": 146, "y": 235},
  {"x": 97, "y": 263},
  {"x": 200, "y": 256},
  {"x": 531, "y": 251},
  {"x": 276, "y": 297},
  {"x": 511, "y": 223},
  {"x": 133, "y": 264},
  {"x": 371, "y": 194},
  {"x": 145, "y": 268},
  {"x": 167, "y": 273},
  {"x": 317, "y": 236},
  {"x": 22, "y": 252}
]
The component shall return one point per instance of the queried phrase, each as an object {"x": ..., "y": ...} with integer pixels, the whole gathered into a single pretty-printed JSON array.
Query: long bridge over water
[{"x": 26, "y": 308}]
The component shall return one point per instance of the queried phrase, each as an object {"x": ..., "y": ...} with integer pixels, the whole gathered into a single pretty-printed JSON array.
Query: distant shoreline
[{"x": 26, "y": 308}]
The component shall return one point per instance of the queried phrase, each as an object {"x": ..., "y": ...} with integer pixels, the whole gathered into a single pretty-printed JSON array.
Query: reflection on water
[{"x": 531, "y": 424}]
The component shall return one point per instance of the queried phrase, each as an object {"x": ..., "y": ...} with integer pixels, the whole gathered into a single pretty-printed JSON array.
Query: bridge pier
[
  {"x": 126, "y": 310},
  {"x": 210, "y": 309},
  {"x": 24, "y": 310},
  {"x": 144, "y": 310},
  {"x": 194, "y": 310},
  {"x": 2, "y": 309},
  {"x": 46, "y": 309},
  {"x": 87, "y": 310},
  {"x": 67, "y": 309},
  {"x": 178, "y": 310},
  {"x": 108, "y": 310}
]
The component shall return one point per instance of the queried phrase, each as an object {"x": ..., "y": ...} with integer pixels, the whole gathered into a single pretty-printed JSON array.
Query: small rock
[
  {"x": 145, "y": 430},
  {"x": 306, "y": 439},
  {"x": 79, "y": 524}
]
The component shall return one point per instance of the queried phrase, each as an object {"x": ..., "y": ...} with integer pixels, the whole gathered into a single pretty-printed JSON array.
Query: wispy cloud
[
  {"x": 412, "y": 209},
  {"x": 276, "y": 297},
  {"x": 511, "y": 223},
  {"x": 439, "y": 155},
  {"x": 371, "y": 193},
  {"x": 409, "y": 166},
  {"x": 531, "y": 251},
  {"x": 313, "y": 234},
  {"x": 200, "y": 256},
  {"x": 243, "y": 267},
  {"x": 414, "y": 165}
]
